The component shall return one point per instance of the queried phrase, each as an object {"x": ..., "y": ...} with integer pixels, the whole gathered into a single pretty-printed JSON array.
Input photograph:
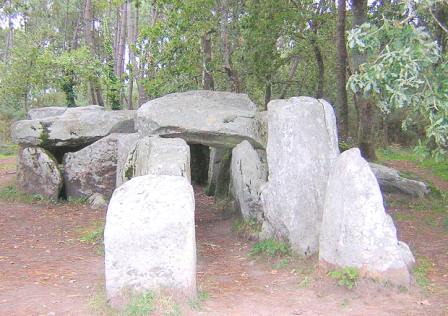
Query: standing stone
[
  {"x": 158, "y": 156},
  {"x": 302, "y": 146},
  {"x": 214, "y": 166},
  {"x": 356, "y": 231},
  {"x": 248, "y": 176},
  {"x": 125, "y": 144},
  {"x": 38, "y": 173},
  {"x": 149, "y": 237},
  {"x": 93, "y": 169}
]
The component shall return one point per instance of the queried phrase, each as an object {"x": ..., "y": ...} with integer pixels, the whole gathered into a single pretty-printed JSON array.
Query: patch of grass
[
  {"x": 168, "y": 306},
  {"x": 347, "y": 277},
  {"x": 282, "y": 264},
  {"x": 198, "y": 301},
  {"x": 8, "y": 151},
  {"x": 438, "y": 167},
  {"x": 9, "y": 193},
  {"x": 401, "y": 216},
  {"x": 94, "y": 236},
  {"x": 421, "y": 271},
  {"x": 249, "y": 228},
  {"x": 271, "y": 248},
  {"x": 82, "y": 200},
  {"x": 98, "y": 304},
  {"x": 445, "y": 224},
  {"x": 141, "y": 305}
]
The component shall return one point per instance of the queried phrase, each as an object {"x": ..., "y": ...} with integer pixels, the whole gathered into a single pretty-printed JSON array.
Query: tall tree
[
  {"x": 341, "y": 68},
  {"x": 364, "y": 104}
]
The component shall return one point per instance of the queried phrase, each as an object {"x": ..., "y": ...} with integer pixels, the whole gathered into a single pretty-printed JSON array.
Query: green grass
[
  {"x": 141, "y": 305},
  {"x": 271, "y": 248},
  {"x": 421, "y": 271},
  {"x": 347, "y": 277},
  {"x": 9, "y": 193},
  {"x": 8, "y": 151},
  {"x": 437, "y": 167},
  {"x": 94, "y": 236},
  {"x": 198, "y": 302}
]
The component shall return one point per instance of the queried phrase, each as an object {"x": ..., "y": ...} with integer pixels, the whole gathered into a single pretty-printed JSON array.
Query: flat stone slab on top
[
  {"x": 75, "y": 127},
  {"x": 211, "y": 118}
]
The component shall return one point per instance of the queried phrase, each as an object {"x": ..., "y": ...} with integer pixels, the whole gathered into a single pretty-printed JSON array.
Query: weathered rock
[
  {"x": 97, "y": 201},
  {"x": 149, "y": 237},
  {"x": 158, "y": 156},
  {"x": 390, "y": 181},
  {"x": 216, "y": 119},
  {"x": 93, "y": 169},
  {"x": 125, "y": 144},
  {"x": 38, "y": 173},
  {"x": 247, "y": 176},
  {"x": 261, "y": 119},
  {"x": 76, "y": 127},
  {"x": 49, "y": 111},
  {"x": 302, "y": 146},
  {"x": 218, "y": 180},
  {"x": 356, "y": 231}
]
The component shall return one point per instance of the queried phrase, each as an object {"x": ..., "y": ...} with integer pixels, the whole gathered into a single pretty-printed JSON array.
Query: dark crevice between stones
[{"x": 199, "y": 160}]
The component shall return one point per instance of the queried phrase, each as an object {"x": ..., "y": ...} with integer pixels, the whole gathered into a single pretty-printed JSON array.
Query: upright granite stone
[
  {"x": 302, "y": 146},
  {"x": 247, "y": 176},
  {"x": 216, "y": 119},
  {"x": 390, "y": 181},
  {"x": 76, "y": 127},
  {"x": 125, "y": 144},
  {"x": 149, "y": 237},
  {"x": 214, "y": 166},
  {"x": 93, "y": 169},
  {"x": 49, "y": 111},
  {"x": 356, "y": 231},
  {"x": 38, "y": 173},
  {"x": 158, "y": 156}
]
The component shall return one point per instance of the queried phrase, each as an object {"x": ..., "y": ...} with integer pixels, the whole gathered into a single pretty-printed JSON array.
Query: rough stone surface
[
  {"x": 390, "y": 181},
  {"x": 158, "y": 156},
  {"x": 149, "y": 237},
  {"x": 93, "y": 169},
  {"x": 216, "y": 119},
  {"x": 301, "y": 149},
  {"x": 38, "y": 173},
  {"x": 76, "y": 127},
  {"x": 247, "y": 176},
  {"x": 261, "y": 119},
  {"x": 44, "y": 112},
  {"x": 214, "y": 166},
  {"x": 356, "y": 231},
  {"x": 125, "y": 144},
  {"x": 97, "y": 201}
]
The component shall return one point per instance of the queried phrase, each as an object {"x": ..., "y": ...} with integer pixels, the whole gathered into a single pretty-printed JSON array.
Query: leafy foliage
[
  {"x": 347, "y": 277},
  {"x": 271, "y": 248}
]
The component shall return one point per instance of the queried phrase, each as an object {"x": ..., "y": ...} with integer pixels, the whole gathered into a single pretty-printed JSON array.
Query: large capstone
[
  {"x": 125, "y": 145},
  {"x": 356, "y": 231},
  {"x": 157, "y": 156},
  {"x": 76, "y": 127},
  {"x": 302, "y": 146},
  {"x": 216, "y": 119},
  {"x": 391, "y": 181},
  {"x": 93, "y": 169},
  {"x": 248, "y": 175},
  {"x": 38, "y": 173},
  {"x": 149, "y": 237},
  {"x": 49, "y": 111}
]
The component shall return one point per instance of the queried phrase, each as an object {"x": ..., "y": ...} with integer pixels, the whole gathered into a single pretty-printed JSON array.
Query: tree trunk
[
  {"x": 96, "y": 94},
  {"x": 341, "y": 70},
  {"x": 227, "y": 51},
  {"x": 364, "y": 104},
  {"x": 320, "y": 69},
  {"x": 292, "y": 73},
  {"x": 131, "y": 41},
  {"x": 207, "y": 76}
]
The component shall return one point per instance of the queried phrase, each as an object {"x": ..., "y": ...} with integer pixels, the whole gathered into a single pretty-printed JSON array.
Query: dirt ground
[{"x": 46, "y": 270}]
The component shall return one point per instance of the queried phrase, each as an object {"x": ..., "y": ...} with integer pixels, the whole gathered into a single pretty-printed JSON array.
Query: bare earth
[{"x": 46, "y": 270}]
